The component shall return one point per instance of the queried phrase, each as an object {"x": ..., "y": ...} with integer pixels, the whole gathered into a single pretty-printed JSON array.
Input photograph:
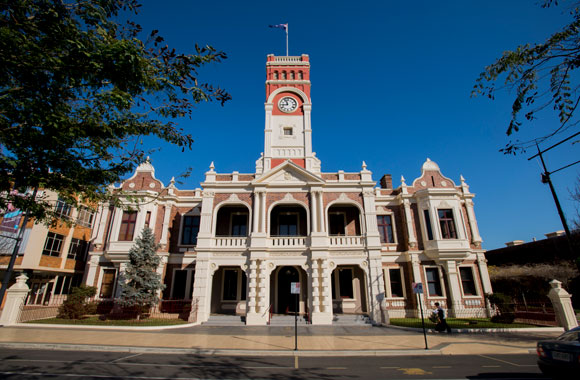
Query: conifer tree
[{"x": 142, "y": 282}]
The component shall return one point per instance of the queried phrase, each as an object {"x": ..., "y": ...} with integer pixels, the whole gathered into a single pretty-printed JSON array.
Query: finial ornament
[
  {"x": 403, "y": 181},
  {"x": 364, "y": 165},
  {"x": 211, "y": 167},
  {"x": 462, "y": 179}
]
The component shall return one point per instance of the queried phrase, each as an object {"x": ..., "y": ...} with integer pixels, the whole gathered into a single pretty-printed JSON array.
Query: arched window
[
  {"x": 283, "y": 75},
  {"x": 275, "y": 75},
  {"x": 300, "y": 75},
  {"x": 292, "y": 75}
]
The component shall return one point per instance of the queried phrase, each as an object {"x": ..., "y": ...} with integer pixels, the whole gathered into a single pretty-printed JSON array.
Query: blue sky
[{"x": 391, "y": 84}]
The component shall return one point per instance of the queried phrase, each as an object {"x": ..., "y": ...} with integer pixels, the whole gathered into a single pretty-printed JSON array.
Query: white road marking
[{"x": 126, "y": 357}]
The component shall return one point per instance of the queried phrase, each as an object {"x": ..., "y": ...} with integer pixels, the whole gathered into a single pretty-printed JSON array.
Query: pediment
[{"x": 288, "y": 173}]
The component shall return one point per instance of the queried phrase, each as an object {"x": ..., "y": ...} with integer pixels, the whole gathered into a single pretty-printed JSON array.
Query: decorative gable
[{"x": 289, "y": 173}]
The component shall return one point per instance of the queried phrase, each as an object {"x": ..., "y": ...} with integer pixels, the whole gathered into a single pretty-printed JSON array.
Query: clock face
[{"x": 287, "y": 104}]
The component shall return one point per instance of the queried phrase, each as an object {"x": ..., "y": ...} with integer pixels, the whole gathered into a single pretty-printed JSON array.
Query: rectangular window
[
  {"x": 179, "y": 283},
  {"x": 190, "y": 230},
  {"x": 53, "y": 244},
  {"x": 230, "y": 292},
  {"x": 288, "y": 224},
  {"x": 78, "y": 249},
  {"x": 127, "y": 225},
  {"x": 108, "y": 283},
  {"x": 85, "y": 217},
  {"x": 467, "y": 281},
  {"x": 62, "y": 208},
  {"x": 447, "y": 224},
  {"x": 288, "y": 131},
  {"x": 345, "y": 283},
  {"x": 428, "y": 225},
  {"x": 396, "y": 282},
  {"x": 239, "y": 225},
  {"x": 385, "y": 225},
  {"x": 433, "y": 282}
]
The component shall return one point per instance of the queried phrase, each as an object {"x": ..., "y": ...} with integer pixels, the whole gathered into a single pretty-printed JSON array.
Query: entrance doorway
[{"x": 286, "y": 302}]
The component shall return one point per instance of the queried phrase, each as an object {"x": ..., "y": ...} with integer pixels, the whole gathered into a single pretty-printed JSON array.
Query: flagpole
[{"x": 286, "y": 40}]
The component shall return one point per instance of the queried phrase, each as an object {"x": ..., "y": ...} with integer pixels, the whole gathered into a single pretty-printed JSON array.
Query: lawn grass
[
  {"x": 94, "y": 320},
  {"x": 458, "y": 323}
]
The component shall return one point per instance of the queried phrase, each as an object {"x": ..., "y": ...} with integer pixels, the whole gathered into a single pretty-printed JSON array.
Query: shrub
[
  {"x": 76, "y": 306},
  {"x": 505, "y": 307}
]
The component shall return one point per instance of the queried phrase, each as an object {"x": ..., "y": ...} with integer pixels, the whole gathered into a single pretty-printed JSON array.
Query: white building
[{"x": 237, "y": 245}]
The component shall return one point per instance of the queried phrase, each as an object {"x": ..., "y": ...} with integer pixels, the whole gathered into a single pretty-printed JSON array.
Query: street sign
[
  {"x": 418, "y": 288},
  {"x": 294, "y": 288}
]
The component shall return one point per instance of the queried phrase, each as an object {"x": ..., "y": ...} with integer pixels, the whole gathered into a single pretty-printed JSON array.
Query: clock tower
[{"x": 288, "y": 132}]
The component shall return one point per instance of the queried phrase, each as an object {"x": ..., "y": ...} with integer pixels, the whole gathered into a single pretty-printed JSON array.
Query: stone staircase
[
  {"x": 287, "y": 320},
  {"x": 351, "y": 320},
  {"x": 225, "y": 320}
]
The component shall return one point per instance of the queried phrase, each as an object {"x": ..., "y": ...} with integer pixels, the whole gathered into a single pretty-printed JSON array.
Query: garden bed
[
  {"x": 458, "y": 323},
  {"x": 95, "y": 321}
]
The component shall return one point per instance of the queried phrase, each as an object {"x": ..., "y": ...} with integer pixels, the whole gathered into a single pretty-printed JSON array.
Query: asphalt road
[{"x": 49, "y": 364}]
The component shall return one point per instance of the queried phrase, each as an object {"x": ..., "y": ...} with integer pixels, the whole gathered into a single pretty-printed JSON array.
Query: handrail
[{"x": 269, "y": 311}]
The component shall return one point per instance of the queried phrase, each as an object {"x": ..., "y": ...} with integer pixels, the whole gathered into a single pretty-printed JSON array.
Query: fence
[
  {"x": 109, "y": 309},
  {"x": 535, "y": 312}
]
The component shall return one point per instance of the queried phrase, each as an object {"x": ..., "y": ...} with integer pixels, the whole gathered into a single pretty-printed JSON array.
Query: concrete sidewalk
[{"x": 312, "y": 340}]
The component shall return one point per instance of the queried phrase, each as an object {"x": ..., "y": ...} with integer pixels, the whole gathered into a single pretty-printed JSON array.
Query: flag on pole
[
  {"x": 280, "y": 26},
  {"x": 285, "y": 28}
]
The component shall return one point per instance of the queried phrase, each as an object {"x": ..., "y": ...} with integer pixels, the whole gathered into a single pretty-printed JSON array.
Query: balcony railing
[
  {"x": 346, "y": 241},
  {"x": 288, "y": 241},
  {"x": 231, "y": 242}
]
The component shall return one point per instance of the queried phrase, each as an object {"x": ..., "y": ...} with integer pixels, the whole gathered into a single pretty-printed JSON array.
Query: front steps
[
  {"x": 288, "y": 320},
  {"x": 225, "y": 320}
]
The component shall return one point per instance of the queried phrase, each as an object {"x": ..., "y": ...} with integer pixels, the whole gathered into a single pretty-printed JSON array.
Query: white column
[
  {"x": 324, "y": 315},
  {"x": 416, "y": 269},
  {"x": 475, "y": 237},
  {"x": 165, "y": 228},
  {"x": 201, "y": 300},
  {"x": 120, "y": 279},
  {"x": 256, "y": 212},
  {"x": 263, "y": 212},
  {"x": 409, "y": 221},
  {"x": 313, "y": 212},
  {"x": 321, "y": 213},
  {"x": 160, "y": 270},
  {"x": 91, "y": 269},
  {"x": 454, "y": 288},
  {"x": 307, "y": 130},
  {"x": 483, "y": 273},
  {"x": 315, "y": 284},
  {"x": 101, "y": 226},
  {"x": 268, "y": 138}
]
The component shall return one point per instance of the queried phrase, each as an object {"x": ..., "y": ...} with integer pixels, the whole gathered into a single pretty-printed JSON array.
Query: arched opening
[
  {"x": 283, "y": 75},
  {"x": 229, "y": 291},
  {"x": 344, "y": 220},
  {"x": 232, "y": 221},
  {"x": 348, "y": 295},
  {"x": 284, "y": 302},
  {"x": 275, "y": 75},
  {"x": 288, "y": 220}
]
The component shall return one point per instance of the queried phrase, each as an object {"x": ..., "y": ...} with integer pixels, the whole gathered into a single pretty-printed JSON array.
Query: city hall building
[{"x": 355, "y": 246}]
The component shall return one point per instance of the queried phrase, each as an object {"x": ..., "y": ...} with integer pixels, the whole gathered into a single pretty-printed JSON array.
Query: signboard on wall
[
  {"x": 418, "y": 287},
  {"x": 294, "y": 288}
]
